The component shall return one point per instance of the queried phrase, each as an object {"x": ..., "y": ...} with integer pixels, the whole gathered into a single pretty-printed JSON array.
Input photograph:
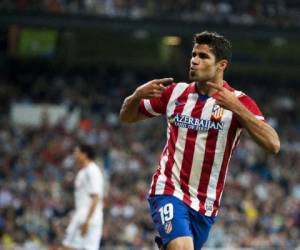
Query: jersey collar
[{"x": 193, "y": 88}]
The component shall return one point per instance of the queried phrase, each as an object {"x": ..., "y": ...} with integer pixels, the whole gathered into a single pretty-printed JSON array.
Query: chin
[{"x": 192, "y": 77}]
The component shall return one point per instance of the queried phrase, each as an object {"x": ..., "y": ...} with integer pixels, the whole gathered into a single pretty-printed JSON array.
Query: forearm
[
  {"x": 130, "y": 109},
  {"x": 92, "y": 209},
  {"x": 260, "y": 131},
  {"x": 152, "y": 89}
]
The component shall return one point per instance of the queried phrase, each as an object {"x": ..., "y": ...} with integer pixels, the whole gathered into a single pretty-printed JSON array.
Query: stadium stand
[{"x": 271, "y": 12}]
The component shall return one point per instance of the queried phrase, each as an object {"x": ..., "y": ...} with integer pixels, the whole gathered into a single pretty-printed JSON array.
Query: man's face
[
  {"x": 203, "y": 66},
  {"x": 78, "y": 156}
]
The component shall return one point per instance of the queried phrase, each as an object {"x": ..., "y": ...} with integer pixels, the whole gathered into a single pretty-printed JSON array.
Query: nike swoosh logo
[{"x": 177, "y": 103}]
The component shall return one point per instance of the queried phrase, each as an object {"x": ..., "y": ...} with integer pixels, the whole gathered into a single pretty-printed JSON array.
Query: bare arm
[
  {"x": 259, "y": 130},
  {"x": 130, "y": 108},
  {"x": 85, "y": 225}
]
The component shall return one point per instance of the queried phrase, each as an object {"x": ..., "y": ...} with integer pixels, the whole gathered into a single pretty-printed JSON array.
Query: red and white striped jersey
[{"x": 201, "y": 137}]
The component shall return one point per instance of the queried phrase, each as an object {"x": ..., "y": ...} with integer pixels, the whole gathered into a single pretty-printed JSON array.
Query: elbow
[
  {"x": 275, "y": 147},
  {"x": 125, "y": 119},
  {"x": 274, "y": 143}
]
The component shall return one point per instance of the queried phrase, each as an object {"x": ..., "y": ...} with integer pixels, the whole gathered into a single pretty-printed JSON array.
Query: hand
[
  {"x": 152, "y": 89},
  {"x": 225, "y": 98},
  {"x": 84, "y": 228}
]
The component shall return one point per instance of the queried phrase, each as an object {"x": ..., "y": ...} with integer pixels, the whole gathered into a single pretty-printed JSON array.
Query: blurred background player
[
  {"x": 205, "y": 121},
  {"x": 85, "y": 228}
]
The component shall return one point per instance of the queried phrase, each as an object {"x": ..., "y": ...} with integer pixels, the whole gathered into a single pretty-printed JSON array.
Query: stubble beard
[{"x": 194, "y": 77}]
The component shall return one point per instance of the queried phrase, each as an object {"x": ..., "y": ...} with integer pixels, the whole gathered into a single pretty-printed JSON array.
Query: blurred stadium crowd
[
  {"x": 268, "y": 12},
  {"x": 261, "y": 202}
]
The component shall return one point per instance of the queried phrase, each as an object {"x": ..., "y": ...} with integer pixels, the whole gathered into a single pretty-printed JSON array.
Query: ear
[{"x": 222, "y": 64}]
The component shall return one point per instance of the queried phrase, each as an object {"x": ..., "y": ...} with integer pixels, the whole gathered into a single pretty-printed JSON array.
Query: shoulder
[
  {"x": 249, "y": 103},
  {"x": 174, "y": 90},
  {"x": 183, "y": 85},
  {"x": 237, "y": 93},
  {"x": 245, "y": 99},
  {"x": 242, "y": 96},
  {"x": 180, "y": 87},
  {"x": 176, "y": 86},
  {"x": 93, "y": 169}
]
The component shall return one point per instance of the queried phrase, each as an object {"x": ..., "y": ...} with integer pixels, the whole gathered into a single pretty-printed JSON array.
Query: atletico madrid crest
[
  {"x": 217, "y": 112},
  {"x": 168, "y": 227}
]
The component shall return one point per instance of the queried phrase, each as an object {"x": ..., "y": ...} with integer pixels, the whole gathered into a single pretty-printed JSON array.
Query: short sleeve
[
  {"x": 251, "y": 105},
  {"x": 95, "y": 181},
  {"x": 156, "y": 106}
]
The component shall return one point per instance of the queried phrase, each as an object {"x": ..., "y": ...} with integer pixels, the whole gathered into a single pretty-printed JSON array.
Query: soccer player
[
  {"x": 205, "y": 121},
  {"x": 85, "y": 228}
]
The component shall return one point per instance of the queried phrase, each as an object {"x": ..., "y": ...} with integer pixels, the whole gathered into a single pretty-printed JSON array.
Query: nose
[{"x": 194, "y": 61}]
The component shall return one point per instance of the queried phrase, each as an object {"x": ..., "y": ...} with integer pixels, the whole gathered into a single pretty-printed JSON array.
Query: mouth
[{"x": 192, "y": 72}]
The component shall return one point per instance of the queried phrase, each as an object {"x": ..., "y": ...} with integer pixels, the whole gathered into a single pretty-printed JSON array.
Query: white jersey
[{"x": 89, "y": 180}]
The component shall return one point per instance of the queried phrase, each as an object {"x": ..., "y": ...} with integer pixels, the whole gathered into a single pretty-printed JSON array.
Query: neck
[
  {"x": 204, "y": 89},
  {"x": 85, "y": 163}
]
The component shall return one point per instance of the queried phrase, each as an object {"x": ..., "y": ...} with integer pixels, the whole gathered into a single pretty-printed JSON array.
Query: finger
[
  {"x": 218, "y": 103},
  {"x": 159, "y": 87},
  {"x": 164, "y": 81},
  {"x": 157, "y": 91},
  {"x": 155, "y": 95},
  {"x": 216, "y": 95},
  {"x": 215, "y": 85}
]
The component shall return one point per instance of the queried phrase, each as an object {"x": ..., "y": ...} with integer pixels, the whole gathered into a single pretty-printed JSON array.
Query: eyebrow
[{"x": 200, "y": 53}]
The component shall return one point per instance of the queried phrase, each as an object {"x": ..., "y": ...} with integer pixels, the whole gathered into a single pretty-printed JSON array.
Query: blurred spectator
[{"x": 272, "y": 12}]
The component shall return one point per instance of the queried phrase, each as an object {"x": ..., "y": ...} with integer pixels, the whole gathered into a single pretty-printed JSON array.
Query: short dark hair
[
  {"x": 88, "y": 150},
  {"x": 221, "y": 47}
]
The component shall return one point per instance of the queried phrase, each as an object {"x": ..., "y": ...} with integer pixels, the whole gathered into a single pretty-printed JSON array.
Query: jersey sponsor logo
[
  {"x": 217, "y": 112},
  {"x": 188, "y": 122}
]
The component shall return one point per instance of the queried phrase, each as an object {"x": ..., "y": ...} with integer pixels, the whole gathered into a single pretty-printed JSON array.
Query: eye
[
  {"x": 193, "y": 54},
  {"x": 203, "y": 55}
]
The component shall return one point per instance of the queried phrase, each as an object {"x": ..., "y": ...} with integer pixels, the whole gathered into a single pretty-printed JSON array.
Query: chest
[
  {"x": 193, "y": 113},
  {"x": 80, "y": 180}
]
